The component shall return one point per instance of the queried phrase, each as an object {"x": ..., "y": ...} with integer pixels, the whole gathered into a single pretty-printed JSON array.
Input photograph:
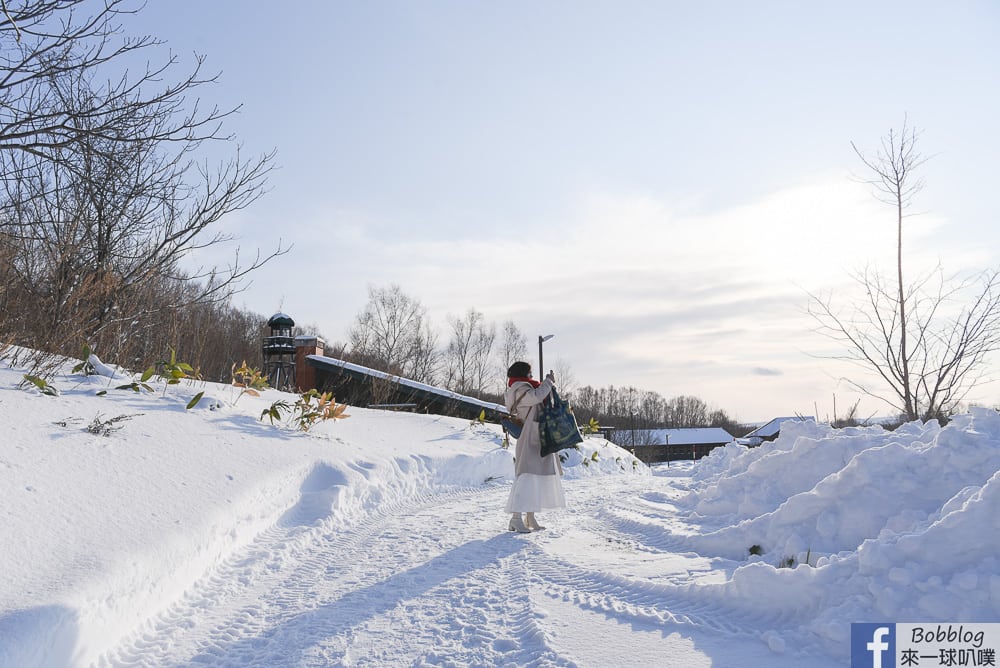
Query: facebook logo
[{"x": 873, "y": 645}]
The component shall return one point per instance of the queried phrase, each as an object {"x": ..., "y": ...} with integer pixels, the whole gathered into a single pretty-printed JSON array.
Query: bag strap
[{"x": 517, "y": 400}]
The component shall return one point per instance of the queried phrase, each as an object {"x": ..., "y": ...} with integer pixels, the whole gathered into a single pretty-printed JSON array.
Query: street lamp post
[
  {"x": 633, "y": 410},
  {"x": 541, "y": 364}
]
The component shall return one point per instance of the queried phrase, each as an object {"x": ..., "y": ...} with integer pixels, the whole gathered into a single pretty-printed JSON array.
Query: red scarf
[{"x": 532, "y": 381}]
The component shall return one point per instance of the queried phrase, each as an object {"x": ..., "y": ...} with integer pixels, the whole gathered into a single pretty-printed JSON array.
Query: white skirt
[{"x": 532, "y": 492}]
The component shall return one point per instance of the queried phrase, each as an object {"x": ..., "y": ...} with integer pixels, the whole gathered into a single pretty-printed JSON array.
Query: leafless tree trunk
[
  {"x": 98, "y": 220},
  {"x": 515, "y": 346},
  {"x": 685, "y": 411},
  {"x": 565, "y": 378},
  {"x": 425, "y": 359},
  {"x": 927, "y": 338},
  {"x": 392, "y": 334},
  {"x": 469, "y": 353},
  {"x": 893, "y": 183},
  {"x": 102, "y": 193}
]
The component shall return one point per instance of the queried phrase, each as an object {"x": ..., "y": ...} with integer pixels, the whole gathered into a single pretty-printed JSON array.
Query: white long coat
[{"x": 528, "y": 453}]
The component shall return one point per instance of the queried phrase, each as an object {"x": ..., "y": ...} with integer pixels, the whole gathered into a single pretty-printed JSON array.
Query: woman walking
[{"x": 537, "y": 484}]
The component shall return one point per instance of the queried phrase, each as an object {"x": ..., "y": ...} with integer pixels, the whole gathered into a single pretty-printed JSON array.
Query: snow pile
[{"x": 869, "y": 525}]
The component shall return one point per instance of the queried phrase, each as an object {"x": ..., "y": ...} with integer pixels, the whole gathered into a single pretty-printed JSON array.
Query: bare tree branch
[
  {"x": 102, "y": 195},
  {"x": 926, "y": 347}
]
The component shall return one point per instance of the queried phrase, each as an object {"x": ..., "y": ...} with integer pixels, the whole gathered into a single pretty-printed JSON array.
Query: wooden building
[{"x": 666, "y": 445}]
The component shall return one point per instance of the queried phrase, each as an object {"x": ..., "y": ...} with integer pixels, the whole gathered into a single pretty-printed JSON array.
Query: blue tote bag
[{"x": 557, "y": 425}]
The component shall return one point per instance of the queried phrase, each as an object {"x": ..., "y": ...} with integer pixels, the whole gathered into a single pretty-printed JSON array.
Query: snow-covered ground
[{"x": 207, "y": 537}]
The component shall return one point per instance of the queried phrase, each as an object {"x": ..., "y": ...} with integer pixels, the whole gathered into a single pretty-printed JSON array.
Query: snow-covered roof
[
  {"x": 422, "y": 387},
  {"x": 689, "y": 436},
  {"x": 772, "y": 428},
  {"x": 280, "y": 320}
]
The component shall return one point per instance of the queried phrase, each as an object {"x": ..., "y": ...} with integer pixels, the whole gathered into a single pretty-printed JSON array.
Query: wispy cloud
[{"x": 661, "y": 295}]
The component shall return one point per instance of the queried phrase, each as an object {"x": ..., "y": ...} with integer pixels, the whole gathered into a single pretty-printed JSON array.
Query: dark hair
[{"x": 519, "y": 370}]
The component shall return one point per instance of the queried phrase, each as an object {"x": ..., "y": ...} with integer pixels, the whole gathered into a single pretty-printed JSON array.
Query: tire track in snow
[
  {"x": 465, "y": 614},
  {"x": 235, "y": 593},
  {"x": 429, "y": 580},
  {"x": 681, "y": 605},
  {"x": 305, "y": 595},
  {"x": 610, "y": 516}
]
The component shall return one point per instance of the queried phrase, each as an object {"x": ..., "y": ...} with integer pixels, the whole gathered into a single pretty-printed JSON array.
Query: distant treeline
[{"x": 632, "y": 408}]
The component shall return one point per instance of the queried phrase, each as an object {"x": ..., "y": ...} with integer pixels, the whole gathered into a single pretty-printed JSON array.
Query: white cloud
[{"x": 658, "y": 294}]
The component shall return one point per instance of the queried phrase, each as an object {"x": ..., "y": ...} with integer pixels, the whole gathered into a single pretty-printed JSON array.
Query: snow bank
[
  {"x": 858, "y": 524},
  {"x": 115, "y": 502}
]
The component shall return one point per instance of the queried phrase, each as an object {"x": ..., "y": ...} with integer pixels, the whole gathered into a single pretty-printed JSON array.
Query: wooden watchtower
[{"x": 279, "y": 353}]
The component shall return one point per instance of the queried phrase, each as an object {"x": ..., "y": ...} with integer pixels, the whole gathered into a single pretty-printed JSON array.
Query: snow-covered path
[
  {"x": 437, "y": 581},
  {"x": 206, "y": 537}
]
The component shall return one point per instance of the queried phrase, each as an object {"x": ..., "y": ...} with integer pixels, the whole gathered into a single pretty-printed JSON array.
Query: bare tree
[
  {"x": 425, "y": 360},
  {"x": 391, "y": 333},
  {"x": 565, "y": 378},
  {"x": 720, "y": 418},
  {"x": 105, "y": 222},
  {"x": 98, "y": 219},
  {"x": 926, "y": 338},
  {"x": 686, "y": 411},
  {"x": 102, "y": 193},
  {"x": 649, "y": 407},
  {"x": 469, "y": 353},
  {"x": 515, "y": 346},
  {"x": 46, "y": 42}
]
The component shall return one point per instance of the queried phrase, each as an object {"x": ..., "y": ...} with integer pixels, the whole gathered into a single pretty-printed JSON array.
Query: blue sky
[{"x": 656, "y": 183}]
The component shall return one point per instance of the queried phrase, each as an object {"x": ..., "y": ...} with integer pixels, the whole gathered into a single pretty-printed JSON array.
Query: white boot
[
  {"x": 529, "y": 521},
  {"x": 517, "y": 525}
]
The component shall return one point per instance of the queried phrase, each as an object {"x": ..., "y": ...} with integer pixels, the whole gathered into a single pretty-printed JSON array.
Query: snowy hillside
[{"x": 209, "y": 537}]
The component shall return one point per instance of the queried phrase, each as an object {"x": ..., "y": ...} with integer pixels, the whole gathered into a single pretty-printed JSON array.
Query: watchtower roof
[{"x": 280, "y": 320}]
